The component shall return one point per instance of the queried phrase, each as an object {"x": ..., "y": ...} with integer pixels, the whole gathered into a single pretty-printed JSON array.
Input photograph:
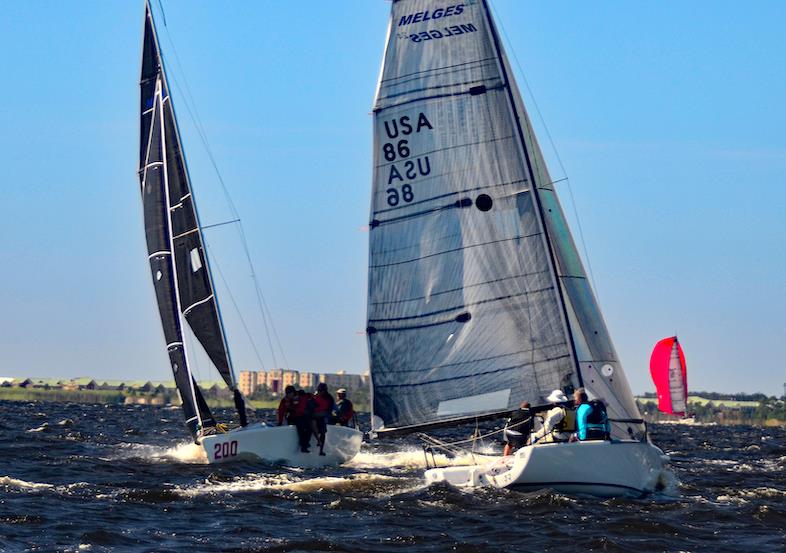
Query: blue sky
[{"x": 668, "y": 117}]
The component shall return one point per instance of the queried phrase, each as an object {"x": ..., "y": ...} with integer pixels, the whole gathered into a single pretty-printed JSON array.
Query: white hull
[
  {"x": 279, "y": 445},
  {"x": 594, "y": 467}
]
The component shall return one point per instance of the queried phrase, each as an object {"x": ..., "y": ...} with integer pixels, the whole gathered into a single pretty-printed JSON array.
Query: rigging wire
[
  {"x": 553, "y": 146},
  {"x": 237, "y": 308},
  {"x": 190, "y": 105}
]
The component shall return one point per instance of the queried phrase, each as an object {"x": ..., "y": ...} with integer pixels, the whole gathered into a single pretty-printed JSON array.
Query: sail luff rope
[
  {"x": 553, "y": 147},
  {"x": 194, "y": 115}
]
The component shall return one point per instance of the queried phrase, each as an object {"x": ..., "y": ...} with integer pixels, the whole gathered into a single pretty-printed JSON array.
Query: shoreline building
[{"x": 275, "y": 380}]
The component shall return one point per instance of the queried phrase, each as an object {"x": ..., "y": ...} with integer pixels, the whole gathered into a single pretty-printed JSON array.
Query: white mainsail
[{"x": 477, "y": 296}]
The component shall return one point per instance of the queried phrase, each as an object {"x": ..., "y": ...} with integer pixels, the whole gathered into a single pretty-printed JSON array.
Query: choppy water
[{"x": 99, "y": 478}]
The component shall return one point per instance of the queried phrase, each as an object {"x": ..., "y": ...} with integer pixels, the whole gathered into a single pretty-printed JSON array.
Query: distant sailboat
[
  {"x": 669, "y": 373},
  {"x": 184, "y": 286},
  {"x": 477, "y": 297}
]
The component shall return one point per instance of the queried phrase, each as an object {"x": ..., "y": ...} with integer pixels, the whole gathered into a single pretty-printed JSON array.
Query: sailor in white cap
[
  {"x": 557, "y": 425},
  {"x": 344, "y": 410}
]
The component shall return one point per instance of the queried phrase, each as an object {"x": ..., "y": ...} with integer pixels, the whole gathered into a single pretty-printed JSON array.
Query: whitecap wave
[
  {"x": 23, "y": 484},
  {"x": 39, "y": 428}
]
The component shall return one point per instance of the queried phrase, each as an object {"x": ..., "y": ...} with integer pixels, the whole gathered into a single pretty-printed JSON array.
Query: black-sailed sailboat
[
  {"x": 478, "y": 300},
  {"x": 184, "y": 286}
]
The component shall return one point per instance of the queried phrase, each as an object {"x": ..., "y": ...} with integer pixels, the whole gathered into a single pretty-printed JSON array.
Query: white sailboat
[
  {"x": 478, "y": 299},
  {"x": 185, "y": 292}
]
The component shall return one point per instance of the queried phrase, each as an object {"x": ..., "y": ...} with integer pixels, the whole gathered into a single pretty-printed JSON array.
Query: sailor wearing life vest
[
  {"x": 559, "y": 422},
  {"x": 592, "y": 422}
]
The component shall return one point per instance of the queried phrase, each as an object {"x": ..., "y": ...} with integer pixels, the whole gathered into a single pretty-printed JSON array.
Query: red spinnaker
[{"x": 669, "y": 373}]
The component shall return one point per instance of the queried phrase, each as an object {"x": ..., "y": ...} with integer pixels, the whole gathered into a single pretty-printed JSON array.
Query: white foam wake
[
  {"x": 23, "y": 484},
  {"x": 186, "y": 452},
  {"x": 413, "y": 458},
  {"x": 367, "y": 484}
]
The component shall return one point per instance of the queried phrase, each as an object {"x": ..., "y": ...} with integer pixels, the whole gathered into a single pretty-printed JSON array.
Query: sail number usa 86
[
  {"x": 225, "y": 450},
  {"x": 397, "y": 151}
]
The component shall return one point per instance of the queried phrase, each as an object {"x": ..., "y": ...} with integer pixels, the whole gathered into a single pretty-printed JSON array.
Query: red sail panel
[{"x": 669, "y": 373}]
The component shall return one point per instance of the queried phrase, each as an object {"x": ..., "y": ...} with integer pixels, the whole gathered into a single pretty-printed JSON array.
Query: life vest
[
  {"x": 301, "y": 405},
  {"x": 568, "y": 422},
  {"x": 286, "y": 409},
  {"x": 323, "y": 404},
  {"x": 597, "y": 421}
]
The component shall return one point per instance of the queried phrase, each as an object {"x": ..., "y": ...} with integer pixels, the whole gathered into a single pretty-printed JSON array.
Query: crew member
[
  {"x": 321, "y": 406},
  {"x": 303, "y": 420},
  {"x": 344, "y": 410},
  {"x": 558, "y": 423},
  {"x": 591, "y": 420},
  {"x": 518, "y": 429},
  {"x": 286, "y": 407}
]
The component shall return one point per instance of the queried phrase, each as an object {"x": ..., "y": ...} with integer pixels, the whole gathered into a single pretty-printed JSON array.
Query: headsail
[
  {"x": 471, "y": 307},
  {"x": 669, "y": 373},
  {"x": 180, "y": 270}
]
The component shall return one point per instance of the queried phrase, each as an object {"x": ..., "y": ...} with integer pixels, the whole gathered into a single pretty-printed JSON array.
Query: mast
[
  {"x": 168, "y": 204},
  {"x": 534, "y": 189}
]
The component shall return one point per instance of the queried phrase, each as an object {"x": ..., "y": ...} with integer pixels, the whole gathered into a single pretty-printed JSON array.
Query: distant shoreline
[{"x": 115, "y": 397}]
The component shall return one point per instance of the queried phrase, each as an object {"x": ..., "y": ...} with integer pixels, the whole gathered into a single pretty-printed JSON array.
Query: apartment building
[{"x": 278, "y": 379}]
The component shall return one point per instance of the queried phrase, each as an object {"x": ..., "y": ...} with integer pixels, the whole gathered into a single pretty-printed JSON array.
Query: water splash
[
  {"x": 186, "y": 452},
  {"x": 413, "y": 458},
  {"x": 364, "y": 484}
]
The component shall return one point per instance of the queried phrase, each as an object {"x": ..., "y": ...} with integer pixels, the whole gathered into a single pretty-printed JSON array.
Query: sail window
[
  {"x": 492, "y": 401},
  {"x": 196, "y": 260},
  {"x": 158, "y": 275}
]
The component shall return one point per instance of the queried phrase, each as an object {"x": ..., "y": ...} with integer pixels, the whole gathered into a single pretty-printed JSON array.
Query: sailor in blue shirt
[{"x": 591, "y": 421}]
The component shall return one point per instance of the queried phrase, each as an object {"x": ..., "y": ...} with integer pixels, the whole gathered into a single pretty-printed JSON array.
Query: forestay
[
  {"x": 474, "y": 297},
  {"x": 176, "y": 252}
]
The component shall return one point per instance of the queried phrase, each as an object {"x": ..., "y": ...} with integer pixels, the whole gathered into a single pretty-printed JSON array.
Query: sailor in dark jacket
[{"x": 518, "y": 429}]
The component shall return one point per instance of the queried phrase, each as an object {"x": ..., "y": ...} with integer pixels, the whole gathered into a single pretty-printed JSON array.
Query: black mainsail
[
  {"x": 477, "y": 296},
  {"x": 181, "y": 274}
]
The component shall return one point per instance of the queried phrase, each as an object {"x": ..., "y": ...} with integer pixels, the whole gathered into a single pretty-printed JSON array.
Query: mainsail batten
[{"x": 477, "y": 297}]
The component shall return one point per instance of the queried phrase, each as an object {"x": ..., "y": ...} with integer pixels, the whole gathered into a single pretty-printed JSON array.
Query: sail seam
[
  {"x": 482, "y": 359},
  {"x": 458, "y": 204},
  {"x": 464, "y": 191},
  {"x": 437, "y": 69},
  {"x": 473, "y": 375},
  {"x": 465, "y": 306},
  {"x": 442, "y": 72},
  {"x": 468, "y": 144},
  {"x": 453, "y": 290},
  {"x": 454, "y": 250},
  {"x": 435, "y": 96}
]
